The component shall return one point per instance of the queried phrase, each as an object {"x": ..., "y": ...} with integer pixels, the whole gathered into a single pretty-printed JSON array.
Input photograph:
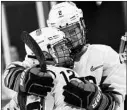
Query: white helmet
[
  {"x": 53, "y": 44},
  {"x": 68, "y": 18}
]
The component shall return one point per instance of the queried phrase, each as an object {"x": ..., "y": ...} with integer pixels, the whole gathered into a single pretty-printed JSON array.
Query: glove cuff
[
  {"x": 106, "y": 103},
  {"x": 96, "y": 99}
]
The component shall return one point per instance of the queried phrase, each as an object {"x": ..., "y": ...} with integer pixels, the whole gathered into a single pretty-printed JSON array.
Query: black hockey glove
[
  {"x": 35, "y": 82},
  {"x": 81, "y": 93}
]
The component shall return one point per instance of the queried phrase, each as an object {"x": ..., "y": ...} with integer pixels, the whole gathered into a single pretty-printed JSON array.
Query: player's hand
[
  {"x": 34, "y": 81},
  {"x": 81, "y": 93}
]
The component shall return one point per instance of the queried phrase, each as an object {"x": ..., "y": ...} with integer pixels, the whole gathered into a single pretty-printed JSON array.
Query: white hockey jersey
[{"x": 99, "y": 64}]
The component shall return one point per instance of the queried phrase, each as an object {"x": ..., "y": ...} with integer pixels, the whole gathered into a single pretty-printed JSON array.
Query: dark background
[
  {"x": 22, "y": 16},
  {"x": 105, "y": 22}
]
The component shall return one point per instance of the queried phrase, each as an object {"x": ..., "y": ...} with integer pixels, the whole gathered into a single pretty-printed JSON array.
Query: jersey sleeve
[
  {"x": 12, "y": 75},
  {"x": 113, "y": 81}
]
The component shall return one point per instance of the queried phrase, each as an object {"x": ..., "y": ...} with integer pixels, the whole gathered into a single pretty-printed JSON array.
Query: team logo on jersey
[{"x": 94, "y": 68}]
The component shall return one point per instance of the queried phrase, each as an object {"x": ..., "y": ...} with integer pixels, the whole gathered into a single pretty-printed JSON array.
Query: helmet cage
[
  {"x": 61, "y": 53},
  {"x": 75, "y": 34}
]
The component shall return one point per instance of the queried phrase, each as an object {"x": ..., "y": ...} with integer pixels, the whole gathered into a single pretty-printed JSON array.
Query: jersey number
[{"x": 70, "y": 73}]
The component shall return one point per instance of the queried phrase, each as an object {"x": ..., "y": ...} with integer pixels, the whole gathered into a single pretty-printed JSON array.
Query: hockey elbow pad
[{"x": 12, "y": 78}]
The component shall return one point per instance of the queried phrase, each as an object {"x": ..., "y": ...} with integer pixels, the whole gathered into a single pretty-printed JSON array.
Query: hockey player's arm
[
  {"x": 28, "y": 80},
  {"x": 80, "y": 93},
  {"x": 12, "y": 75},
  {"x": 110, "y": 93},
  {"x": 113, "y": 82}
]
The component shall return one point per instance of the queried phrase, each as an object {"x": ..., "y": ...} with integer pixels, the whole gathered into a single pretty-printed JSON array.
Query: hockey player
[
  {"x": 99, "y": 64},
  {"x": 27, "y": 79}
]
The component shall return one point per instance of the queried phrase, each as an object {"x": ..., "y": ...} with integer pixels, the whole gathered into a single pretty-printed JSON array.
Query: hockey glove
[
  {"x": 81, "y": 93},
  {"x": 35, "y": 82}
]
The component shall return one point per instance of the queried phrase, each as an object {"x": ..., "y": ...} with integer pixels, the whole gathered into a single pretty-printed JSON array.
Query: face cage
[
  {"x": 75, "y": 34},
  {"x": 61, "y": 54}
]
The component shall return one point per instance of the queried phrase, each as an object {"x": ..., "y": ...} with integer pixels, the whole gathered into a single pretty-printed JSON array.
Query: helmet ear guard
[{"x": 83, "y": 23}]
